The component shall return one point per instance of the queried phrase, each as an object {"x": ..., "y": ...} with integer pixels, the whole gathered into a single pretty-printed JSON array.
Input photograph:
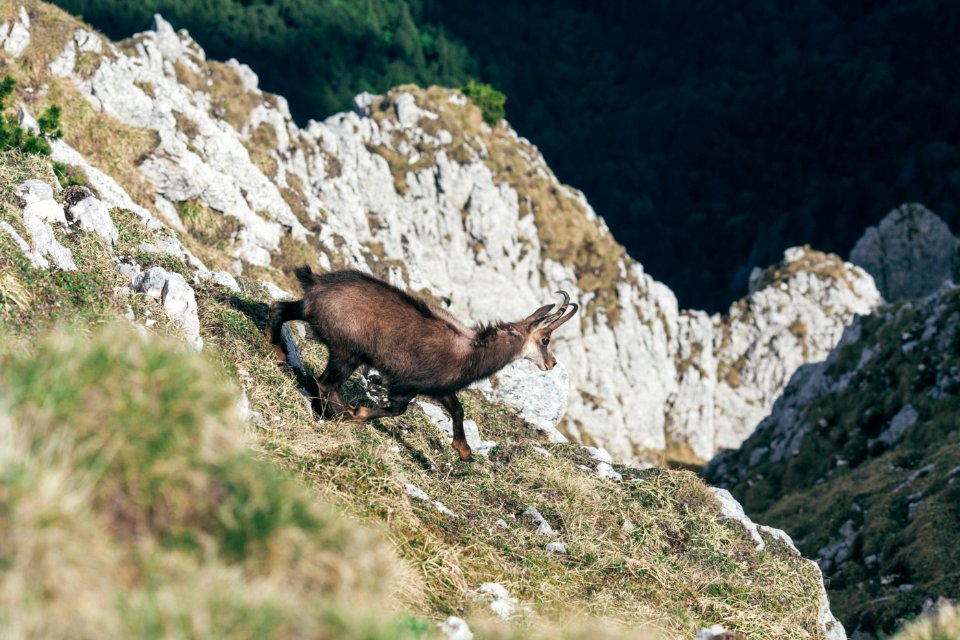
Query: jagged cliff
[
  {"x": 859, "y": 457},
  {"x": 415, "y": 187},
  {"x": 194, "y": 191}
]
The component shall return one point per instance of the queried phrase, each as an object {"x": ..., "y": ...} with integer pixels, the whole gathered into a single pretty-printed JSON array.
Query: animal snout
[{"x": 549, "y": 364}]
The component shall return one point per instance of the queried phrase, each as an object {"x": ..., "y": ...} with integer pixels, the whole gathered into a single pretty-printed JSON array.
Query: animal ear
[{"x": 539, "y": 314}]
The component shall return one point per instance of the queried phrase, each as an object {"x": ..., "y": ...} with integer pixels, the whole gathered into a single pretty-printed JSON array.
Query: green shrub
[
  {"x": 13, "y": 136},
  {"x": 490, "y": 101}
]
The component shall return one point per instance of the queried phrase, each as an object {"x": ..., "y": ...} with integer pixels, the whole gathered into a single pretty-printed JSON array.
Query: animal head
[{"x": 540, "y": 325}]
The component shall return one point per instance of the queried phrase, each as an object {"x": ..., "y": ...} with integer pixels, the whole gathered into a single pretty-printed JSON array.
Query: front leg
[{"x": 455, "y": 409}]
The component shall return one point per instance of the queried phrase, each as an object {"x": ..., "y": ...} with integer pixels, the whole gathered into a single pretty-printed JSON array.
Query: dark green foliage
[
  {"x": 67, "y": 175},
  {"x": 490, "y": 101},
  {"x": 12, "y": 135}
]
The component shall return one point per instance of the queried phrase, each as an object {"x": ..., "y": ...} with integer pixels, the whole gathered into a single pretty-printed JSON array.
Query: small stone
[
  {"x": 32, "y": 191},
  {"x": 556, "y": 547},
  {"x": 93, "y": 216},
  {"x": 599, "y": 454},
  {"x": 224, "y": 279},
  {"x": 716, "y": 632},
  {"x": 177, "y": 298},
  {"x": 455, "y": 628},
  {"x": 604, "y": 470},
  {"x": 501, "y": 603},
  {"x": 543, "y": 527}
]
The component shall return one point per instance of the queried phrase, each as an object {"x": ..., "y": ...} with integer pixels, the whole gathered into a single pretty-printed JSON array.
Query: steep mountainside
[
  {"x": 188, "y": 192},
  {"x": 860, "y": 461},
  {"x": 194, "y": 537},
  {"x": 415, "y": 187}
]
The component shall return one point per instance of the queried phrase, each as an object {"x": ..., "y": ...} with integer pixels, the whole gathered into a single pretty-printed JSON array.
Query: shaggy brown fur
[{"x": 418, "y": 349}]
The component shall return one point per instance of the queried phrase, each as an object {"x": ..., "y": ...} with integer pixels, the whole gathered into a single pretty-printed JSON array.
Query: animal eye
[{"x": 545, "y": 340}]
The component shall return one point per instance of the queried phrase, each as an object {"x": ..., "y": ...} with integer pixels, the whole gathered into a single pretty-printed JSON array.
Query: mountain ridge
[{"x": 354, "y": 189}]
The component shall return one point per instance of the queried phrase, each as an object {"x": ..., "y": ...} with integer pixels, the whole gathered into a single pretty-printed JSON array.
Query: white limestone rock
[
  {"x": 541, "y": 397},
  {"x": 65, "y": 62},
  {"x": 796, "y": 317},
  {"x": 543, "y": 527},
  {"x": 909, "y": 254},
  {"x": 604, "y": 470},
  {"x": 275, "y": 292},
  {"x": 37, "y": 260},
  {"x": 32, "y": 191},
  {"x": 42, "y": 239},
  {"x": 893, "y": 432},
  {"x": 93, "y": 216},
  {"x": 16, "y": 37},
  {"x": 177, "y": 298},
  {"x": 417, "y": 493},
  {"x": 226, "y": 280},
  {"x": 455, "y": 628},
  {"x": 556, "y": 547},
  {"x": 501, "y": 602},
  {"x": 49, "y": 211},
  {"x": 715, "y": 632},
  {"x": 439, "y": 417}
]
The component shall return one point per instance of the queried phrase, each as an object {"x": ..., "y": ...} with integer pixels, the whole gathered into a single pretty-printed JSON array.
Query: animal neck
[{"x": 494, "y": 348}]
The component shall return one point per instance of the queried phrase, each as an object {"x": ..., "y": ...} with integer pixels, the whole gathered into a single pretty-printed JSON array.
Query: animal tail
[
  {"x": 306, "y": 276},
  {"x": 281, "y": 312}
]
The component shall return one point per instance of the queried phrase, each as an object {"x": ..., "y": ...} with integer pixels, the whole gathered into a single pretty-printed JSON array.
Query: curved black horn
[
  {"x": 566, "y": 300},
  {"x": 559, "y": 321}
]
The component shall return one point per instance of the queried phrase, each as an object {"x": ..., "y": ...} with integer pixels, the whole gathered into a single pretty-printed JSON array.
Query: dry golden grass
[
  {"x": 942, "y": 624},
  {"x": 823, "y": 265},
  {"x": 677, "y": 570}
]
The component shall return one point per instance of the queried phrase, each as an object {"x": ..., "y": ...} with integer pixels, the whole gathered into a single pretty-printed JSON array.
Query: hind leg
[
  {"x": 339, "y": 369},
  {"x": 397, "y": 404}
]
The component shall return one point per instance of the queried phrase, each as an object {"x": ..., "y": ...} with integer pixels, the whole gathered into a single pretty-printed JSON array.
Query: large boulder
[{"x": 909, "y": 254}]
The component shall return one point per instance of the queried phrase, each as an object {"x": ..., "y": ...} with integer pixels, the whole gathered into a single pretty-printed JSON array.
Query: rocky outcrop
[
  {"x": 909, "y": 254},
  {"x": 732, "y": 369},
  {"x": 15, "y": 35},
  {"x": 732, "y": 510},
  {"x": 858, "y": 460},
  {"x": 414, "y": 187},
  {"x": 39, "y": 215},
  {"x": 176, "y": 297}
]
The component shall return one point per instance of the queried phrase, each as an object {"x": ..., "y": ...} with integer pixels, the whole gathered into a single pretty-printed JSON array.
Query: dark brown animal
[{"x": 418, "y": 348}]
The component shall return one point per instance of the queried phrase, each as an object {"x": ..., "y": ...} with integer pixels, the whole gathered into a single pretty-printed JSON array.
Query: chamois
[{"x": 418, "y": 348}]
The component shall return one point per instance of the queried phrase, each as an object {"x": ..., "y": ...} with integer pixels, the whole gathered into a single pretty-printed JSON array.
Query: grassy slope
[
  {"x": 838, "y": 475},
  {"x": 156, "y": 509},
  {"x": 133, "y": 508}
]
